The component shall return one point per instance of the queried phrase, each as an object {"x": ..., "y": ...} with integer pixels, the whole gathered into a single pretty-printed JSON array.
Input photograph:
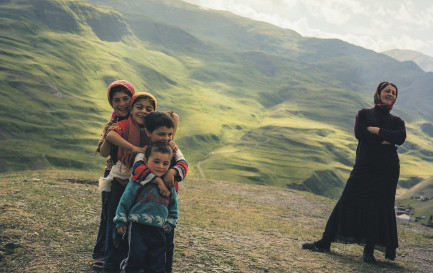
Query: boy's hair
[
  {"x": 157, "y": 119},
  {"x": 158, "y": 147}
]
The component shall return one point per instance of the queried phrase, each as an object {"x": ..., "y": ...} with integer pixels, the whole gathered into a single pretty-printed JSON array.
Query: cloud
[
  {"x": 335, "y": 12},
  {"x": 377, "y": 25}
]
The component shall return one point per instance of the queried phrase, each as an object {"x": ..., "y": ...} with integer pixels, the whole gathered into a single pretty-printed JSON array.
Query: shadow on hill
[
  {"x": 55, "y": 17},
  {"x": 325, "y": 182},
  {"x": 108, "y": 27},
  {"x": 427, "y": 128}
]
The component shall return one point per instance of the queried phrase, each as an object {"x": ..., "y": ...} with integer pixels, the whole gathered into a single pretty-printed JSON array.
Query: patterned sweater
[
  {"x": 145, "y": 205},
  {"x": 142, "y": 203}
]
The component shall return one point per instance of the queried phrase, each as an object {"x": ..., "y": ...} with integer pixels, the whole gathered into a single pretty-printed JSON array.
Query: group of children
[{"x": 140, "y": 184}]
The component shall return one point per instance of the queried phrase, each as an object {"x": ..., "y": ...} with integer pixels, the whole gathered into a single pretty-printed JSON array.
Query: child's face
[
  {"x": 158, "y": 163},
  {"x": 120, "y": 102},
  {"x": 140, "y": 110},
  {"x": 161, "y": 134}
]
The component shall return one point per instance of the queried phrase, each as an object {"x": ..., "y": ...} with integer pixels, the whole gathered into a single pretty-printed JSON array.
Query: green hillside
[
  {"x": 420, "y": 198},
  {"x": 257, "y": 104}
]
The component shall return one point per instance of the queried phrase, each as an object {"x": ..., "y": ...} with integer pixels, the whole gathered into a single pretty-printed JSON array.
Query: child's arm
[
  {"x": 141, "y": 174},
  {"x": 116, "y": 139},
  {"x": 173, "y": 212},
  {"x": 125, "y": 204},
  {"x": 105, "y": 149},
  {"x": 178, "y": 171},
  {"x": 163, "y": 190}
]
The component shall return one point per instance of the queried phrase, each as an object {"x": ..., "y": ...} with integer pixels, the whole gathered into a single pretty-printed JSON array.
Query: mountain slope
[
  {"x": 424, "y": 61},
  {"x": 258, "y": 104}
]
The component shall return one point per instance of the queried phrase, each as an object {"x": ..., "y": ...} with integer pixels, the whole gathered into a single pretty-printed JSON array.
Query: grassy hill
[
  {"x": 49, "y": 220},
  {"x": 413, "y": 198},
  {"x": 258, "y": 104}
]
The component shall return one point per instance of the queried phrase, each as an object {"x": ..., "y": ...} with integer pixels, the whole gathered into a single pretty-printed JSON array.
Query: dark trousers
[
  {"x": 169, "y": 251},
  {"x": 146, "y": 249},
  {"x": 99, "y": 249},
  {"x": 117, "y": 247}
]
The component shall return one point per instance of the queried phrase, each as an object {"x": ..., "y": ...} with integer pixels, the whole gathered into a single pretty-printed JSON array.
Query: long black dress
[{"x": 364, "y": 214}]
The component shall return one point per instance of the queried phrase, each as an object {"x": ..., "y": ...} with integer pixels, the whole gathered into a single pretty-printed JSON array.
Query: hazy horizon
[{"x": 375, "y": 25}]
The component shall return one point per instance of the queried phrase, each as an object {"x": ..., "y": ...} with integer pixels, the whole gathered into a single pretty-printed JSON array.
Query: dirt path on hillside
[{"x": 200, "y": 169}]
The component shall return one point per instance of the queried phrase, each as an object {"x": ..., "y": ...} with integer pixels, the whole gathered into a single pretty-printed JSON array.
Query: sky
[{"x": 378, "y": 25}]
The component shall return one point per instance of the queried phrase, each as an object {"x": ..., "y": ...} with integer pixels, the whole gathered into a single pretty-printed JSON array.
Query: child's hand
[
  {"x": 173, "y": 146},
  {"x": 169, "y": 178},
  {"x": 121, "y": 230},
  {"x": 163, "y": 190},
  {"x": 166, "y": 228},
  {"x": 137, "y": 150}
]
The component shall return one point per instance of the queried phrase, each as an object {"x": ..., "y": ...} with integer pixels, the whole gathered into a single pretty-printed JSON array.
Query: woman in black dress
[{"x": 364, "y": 214}]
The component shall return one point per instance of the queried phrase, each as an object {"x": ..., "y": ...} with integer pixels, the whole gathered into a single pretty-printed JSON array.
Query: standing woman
[{"x": 364, "y": 214}]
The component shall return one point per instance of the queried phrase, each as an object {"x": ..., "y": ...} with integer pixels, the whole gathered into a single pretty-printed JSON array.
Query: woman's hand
[{"x": 373, "y": 130}]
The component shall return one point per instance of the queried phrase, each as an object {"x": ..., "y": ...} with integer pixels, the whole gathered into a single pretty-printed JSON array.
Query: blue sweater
[{"x": 145, "y": 205}]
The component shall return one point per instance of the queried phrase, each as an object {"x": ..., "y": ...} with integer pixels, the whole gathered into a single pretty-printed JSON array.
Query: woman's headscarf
[{"x": 377, "y": 101}]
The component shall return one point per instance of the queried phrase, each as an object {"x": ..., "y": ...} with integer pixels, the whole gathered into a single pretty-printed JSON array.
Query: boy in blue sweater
[{"x": 150, "y": 215}]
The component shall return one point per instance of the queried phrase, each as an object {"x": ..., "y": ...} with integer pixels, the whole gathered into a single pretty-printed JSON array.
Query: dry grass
[{"x": 49, "y": 220}]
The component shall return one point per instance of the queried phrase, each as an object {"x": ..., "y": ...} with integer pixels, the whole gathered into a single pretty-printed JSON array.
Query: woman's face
[
  {"x": 120, "y": 102},
  {"x": 388, "y": 95},
  {"x": 141, "y": 108}
]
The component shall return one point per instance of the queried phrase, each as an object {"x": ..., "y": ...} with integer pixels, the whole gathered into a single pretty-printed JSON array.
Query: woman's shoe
[
  {"x": 317, "y": 246},
  {"x": 368, "y": 258},
  {"x": 98, "y": 263},
  {"x": 390, "y": 254}
]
